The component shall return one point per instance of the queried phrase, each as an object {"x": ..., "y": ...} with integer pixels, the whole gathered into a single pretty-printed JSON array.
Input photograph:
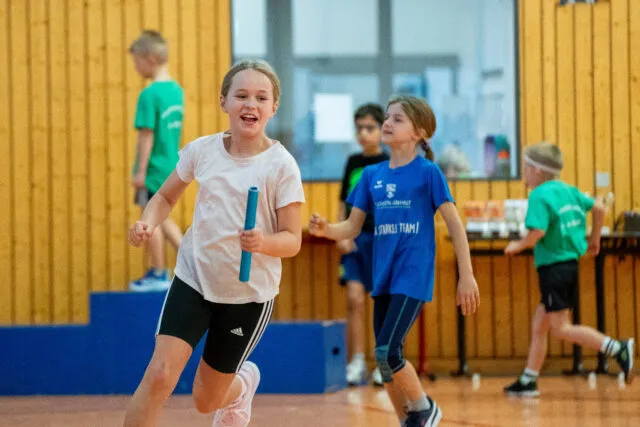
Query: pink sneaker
[{"x": 238, "y": 414}]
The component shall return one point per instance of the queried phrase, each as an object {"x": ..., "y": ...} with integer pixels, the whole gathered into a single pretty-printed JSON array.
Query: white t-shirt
[{"x": 209, "y": 256}]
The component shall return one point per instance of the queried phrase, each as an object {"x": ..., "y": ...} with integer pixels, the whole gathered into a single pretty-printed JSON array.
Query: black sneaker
[
  {"x": 625, "y": 358},
  {"x": 428, "y": 418},
  {"x": 522, "y": 390}
]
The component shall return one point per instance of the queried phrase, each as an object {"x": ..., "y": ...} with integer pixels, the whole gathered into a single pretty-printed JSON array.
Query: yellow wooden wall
[
  {"x": 67, "y": 98},
  {"x": 580, "y": 88}
]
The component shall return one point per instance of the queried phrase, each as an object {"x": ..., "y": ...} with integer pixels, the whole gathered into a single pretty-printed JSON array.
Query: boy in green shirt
[
  {"x": 158, "y": 120},
  {"x": 557, "y": 223}
]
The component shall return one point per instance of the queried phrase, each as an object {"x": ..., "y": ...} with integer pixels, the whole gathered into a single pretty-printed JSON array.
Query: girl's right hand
[
  {"x": 317, "y": 225},
  {"x": 139, "y": 233}
]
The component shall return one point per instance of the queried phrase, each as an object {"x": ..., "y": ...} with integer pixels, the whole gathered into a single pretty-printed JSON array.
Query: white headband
[{"x": 539, "y": 165}]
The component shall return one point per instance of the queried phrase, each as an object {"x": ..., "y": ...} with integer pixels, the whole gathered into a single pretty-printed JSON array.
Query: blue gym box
[{"x": 110, "y": 354}]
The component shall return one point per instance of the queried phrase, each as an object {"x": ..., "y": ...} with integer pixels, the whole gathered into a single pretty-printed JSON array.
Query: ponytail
[{"x": 428, "y": 152}]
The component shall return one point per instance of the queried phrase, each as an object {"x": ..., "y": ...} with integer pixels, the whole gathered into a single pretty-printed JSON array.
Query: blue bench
[{"x": 110, "y": 354}]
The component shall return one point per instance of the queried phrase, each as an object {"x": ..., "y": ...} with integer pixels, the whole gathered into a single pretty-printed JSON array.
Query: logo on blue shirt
[{"x": 391, "y": 190}]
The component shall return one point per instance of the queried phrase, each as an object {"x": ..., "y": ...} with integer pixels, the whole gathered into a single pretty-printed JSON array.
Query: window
[{"x": 334, "y": 55}]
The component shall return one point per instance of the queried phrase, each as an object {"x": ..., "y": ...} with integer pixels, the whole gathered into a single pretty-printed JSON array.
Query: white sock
[
  {"x": 529, "y": 376},
  {"x": 358, "y": 358},
  {"x": 422, "y": 404},
  {"x": 610, "y": 347}
]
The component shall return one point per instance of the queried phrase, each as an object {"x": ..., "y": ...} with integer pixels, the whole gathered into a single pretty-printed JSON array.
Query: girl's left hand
[
  {"x": 251, "y": 240},
  {"x": 468, "y": 295}
]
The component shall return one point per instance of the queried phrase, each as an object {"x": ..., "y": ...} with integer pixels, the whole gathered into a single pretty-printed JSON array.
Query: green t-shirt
[
  {"x": 560, "y": 210},
  {"x": 160, "y": 108}
]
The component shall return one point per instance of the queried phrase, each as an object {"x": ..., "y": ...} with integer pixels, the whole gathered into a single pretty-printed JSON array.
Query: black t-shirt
[{"x": 352, "y": 174}]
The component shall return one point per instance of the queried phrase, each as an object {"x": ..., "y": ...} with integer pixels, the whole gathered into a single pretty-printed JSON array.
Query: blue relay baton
[{"x": 249, "y": 224}]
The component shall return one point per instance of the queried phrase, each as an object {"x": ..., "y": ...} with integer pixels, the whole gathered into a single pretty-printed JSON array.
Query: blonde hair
[
  {"x": 422, "y": 117},
  {"x": 545, "y": 156},
  {"x": 252, "y": 64},
  {"x": 151, "y": 43}
]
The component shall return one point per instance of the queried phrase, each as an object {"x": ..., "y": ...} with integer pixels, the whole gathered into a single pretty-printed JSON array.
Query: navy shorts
[{"x": 358, "y": 265}]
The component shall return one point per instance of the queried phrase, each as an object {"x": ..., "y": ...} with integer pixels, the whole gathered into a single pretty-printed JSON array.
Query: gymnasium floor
[{"x": 566, "y": 402}]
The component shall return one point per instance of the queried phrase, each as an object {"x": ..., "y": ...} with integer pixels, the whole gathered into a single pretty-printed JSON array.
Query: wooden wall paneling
[
  {"x": 554, "y": 23},
  {"x": 60, "y": 154},
  {"x": 337, "y": 293},
  {"x": 96, "y": 131},
  {"x": 79, "y": 152},
  {"x": 21, "y": 161},
  {"x": 634, "y": 88},
  {"x": 40, "y": 161},
  {"x": 484, "y": 275},
  {"x": 151, "y": 14},
  {"x": 223, "y": 50},
  {"x": 441, "y": 326},
  {"x": 502, "y": 315},
  {"x": 533, "y": 82},
  {"x": 288, "y": 287},
  {"x": 303, "y": 303},
  {"x": 622, "y": 180},
  {"x": 6, "y": 170},
  {"x": 519, "y": 281},
  {"x": 320, "y": 257},
  {"x": 118, "y": 172}
]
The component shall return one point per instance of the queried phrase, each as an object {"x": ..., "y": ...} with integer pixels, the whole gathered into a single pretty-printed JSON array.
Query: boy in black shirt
[{"x": 356, "y": 263}]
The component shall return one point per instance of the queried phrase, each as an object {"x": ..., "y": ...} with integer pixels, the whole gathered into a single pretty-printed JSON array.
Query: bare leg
[
  {"x": 539, "y": 339},
  {"x": 585, "y": 336},
  {"x": 172, "y": 232},
  {"x": 213, "y": 390},
  {"x": 355, "y": 316},
  {"x": 408, "y": 381},
  {"x": 155, "y": 247},
  {"x": 398, "y": 400},
  {"x": 167, "y": 363}
]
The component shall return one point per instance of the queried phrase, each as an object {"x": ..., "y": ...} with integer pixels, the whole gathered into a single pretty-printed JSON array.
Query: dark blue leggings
[{"x": 393, "y": 316}]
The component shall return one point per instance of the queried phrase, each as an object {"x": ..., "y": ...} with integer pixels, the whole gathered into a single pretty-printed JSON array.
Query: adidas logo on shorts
[{"x": 237, "y": 331}]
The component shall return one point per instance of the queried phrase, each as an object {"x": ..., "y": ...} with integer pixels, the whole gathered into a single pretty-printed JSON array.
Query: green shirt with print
[
  {"x": 161, "y": 108},
  {"x": 560, "y": 210}
]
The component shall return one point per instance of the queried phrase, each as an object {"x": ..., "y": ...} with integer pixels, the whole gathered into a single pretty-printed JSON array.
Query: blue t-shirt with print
[{"x": 403, "y": 201}]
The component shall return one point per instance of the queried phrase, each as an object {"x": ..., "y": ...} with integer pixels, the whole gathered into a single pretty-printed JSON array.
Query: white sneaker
[
  {"x": 238, "y": 414},
  {"x": 356, "y": 373},
  {"x": 376, "y": 377}
]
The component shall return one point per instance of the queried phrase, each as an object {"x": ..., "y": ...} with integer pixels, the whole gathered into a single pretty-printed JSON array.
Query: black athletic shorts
[
  {"x": 142, "y": 196},
  {"x": 233, "y": 329},
  {"x": 558, "y": 285}
]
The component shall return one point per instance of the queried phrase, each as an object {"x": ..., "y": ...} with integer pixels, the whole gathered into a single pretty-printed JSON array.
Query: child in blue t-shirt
[{"x": 404, "y": 194}]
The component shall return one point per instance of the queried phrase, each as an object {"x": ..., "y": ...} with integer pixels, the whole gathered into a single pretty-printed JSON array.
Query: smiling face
[
  {"x": 398, "y": 127},
  {"x": 249, "y": 103}
]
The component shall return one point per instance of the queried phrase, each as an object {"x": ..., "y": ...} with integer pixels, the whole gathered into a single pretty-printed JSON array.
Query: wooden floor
[{"x": 566, "y": 402}]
